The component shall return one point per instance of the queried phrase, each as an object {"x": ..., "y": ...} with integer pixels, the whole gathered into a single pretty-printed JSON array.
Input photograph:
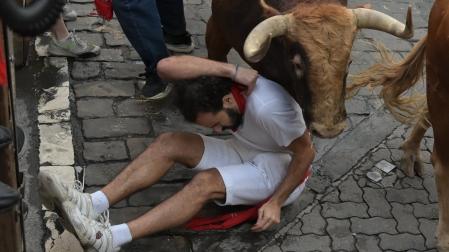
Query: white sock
[
  {"x": 99, "y": 201},
  {"x": 120, "y": 235}
]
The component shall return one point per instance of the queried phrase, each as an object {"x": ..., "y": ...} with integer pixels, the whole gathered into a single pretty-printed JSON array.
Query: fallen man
[{"x": 269, "y": 153}]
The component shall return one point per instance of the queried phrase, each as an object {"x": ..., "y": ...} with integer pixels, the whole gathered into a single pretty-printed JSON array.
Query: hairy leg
[
  {"x": 442, "y": 182},
  {"x": 217, "y": 48},
  {"x": 411, "y": 160},
  {"x": 182, "y": 206},
  {"x": 154, "y": 162}
]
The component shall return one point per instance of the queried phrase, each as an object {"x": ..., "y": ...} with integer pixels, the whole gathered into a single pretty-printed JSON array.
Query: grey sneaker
[
  {"x": 68, "y": 14},
  {"x": 72, "y": 47},
  {"x": 93, "y": 235},
  {"x": 54, "y": 192}
]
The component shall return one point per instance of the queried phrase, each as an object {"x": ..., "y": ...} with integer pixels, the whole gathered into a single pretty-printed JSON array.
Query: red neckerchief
[
  {"x": 236, "y": 91},
  {"x": 229, "y": 220}
]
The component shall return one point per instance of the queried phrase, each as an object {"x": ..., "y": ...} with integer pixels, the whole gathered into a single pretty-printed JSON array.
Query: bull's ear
[{"x": 268, "y": 11}]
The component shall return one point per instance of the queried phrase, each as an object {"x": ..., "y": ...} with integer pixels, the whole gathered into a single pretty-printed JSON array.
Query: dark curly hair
[{"x": 203, "y": 94}]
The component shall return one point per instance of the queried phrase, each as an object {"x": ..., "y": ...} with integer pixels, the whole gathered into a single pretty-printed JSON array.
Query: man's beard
[{"x": 236, "y": 119}]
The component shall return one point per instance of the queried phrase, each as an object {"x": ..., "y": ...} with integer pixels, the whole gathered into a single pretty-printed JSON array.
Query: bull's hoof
[
  {"x": 443, "y": 244},
  {"x": 443, "y": 236},
  {"x": 412, "y": 165},
  {"x": 408, "y": 164}
]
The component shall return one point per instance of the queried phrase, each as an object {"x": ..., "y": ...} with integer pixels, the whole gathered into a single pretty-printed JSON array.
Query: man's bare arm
[
  {"x": 303, "y": 155},
  {"x": 189, "y": 67}
]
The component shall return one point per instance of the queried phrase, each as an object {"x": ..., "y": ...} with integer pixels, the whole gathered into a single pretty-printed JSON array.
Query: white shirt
[{"x": 272, "y": 118}]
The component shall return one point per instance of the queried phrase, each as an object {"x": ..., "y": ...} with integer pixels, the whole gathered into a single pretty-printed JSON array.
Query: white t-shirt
[{"x": 272, "y": 118}]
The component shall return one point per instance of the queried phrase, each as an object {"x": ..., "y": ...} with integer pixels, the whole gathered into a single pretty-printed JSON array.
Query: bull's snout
[{"x": 328, "y": 131}]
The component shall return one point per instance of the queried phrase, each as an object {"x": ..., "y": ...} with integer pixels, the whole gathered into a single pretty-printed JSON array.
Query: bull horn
[
  {"x": 371, "y": 19},
  {"x": 258, "y": 41}
]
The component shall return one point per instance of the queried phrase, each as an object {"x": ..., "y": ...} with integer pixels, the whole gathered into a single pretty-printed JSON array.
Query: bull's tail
[{"x": 396, "y": 78}]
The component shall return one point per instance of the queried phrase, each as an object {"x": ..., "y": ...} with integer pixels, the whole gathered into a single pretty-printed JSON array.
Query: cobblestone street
[{"x": 340, "y": 210}]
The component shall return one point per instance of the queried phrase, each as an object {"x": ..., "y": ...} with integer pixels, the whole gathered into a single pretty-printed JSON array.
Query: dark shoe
[
  {"x": 5, "y": 136},
  {"x": 179, "y": 43},
  {"x": 154, "y": 89}
]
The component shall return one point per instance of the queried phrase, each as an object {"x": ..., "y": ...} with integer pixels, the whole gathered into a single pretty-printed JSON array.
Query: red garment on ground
[
  {"x": 229, "y": 220},
  {"x": 104, "y": 9},
  {"x": 3, "y": 77}
]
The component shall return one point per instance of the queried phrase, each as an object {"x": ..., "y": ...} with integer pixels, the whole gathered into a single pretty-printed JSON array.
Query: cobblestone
[
  {"x": 91, "y": 108},
  {"x": 131, "y": 107},
  {"x": 105, "y": 89},
  {"x": 123, "y": 70},
  {"x": 105, "y": 151},
  {"x": 408, "y": 242},
  {"x": 342, "y": 238},
  {"x": 101, "y": 174},
  {"x": 406, "y": 196},
  {"x": 115, "y": 127},
  {"x": 429, "y": 211},
  {"x": 373, "y": 226},
  {"x": 349, "y": 191},
  {"x": 85, "y": 70},
  {"x": 314, "y": 222},
  {"x": 367, "y": 243},
  {"x": 108, "y": 55},
  {"x": 428, "y": 229},
  {"x": 137, "y": 145},
  {"x": 407, "y": 222},
  {"x": 154, "y": 194},
  {"x": 344, "y": 210},
  {"x": 305, "y": 243}
]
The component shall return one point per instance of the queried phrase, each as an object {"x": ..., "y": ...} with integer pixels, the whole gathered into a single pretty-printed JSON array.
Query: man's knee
[
  {"x": 164, "y": 142},
  {"x": 207, "y": 185}
]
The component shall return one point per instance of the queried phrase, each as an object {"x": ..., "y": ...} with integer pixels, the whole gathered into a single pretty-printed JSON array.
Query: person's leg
[
  {"x": 145, "y": 170},
  {"x": 205, "y": 186},
  {"x": 172, "y": 16},
  {"x": 59, "y": 30},
  {"x": 173, "y": 21},
  {"x": 67, "y": 44},
  {"x": 154, "y": 162},
  {"x": 181, "y": 207},
  {"x": 141, "y": 24}
]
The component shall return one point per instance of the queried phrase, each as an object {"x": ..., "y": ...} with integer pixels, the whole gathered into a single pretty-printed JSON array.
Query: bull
[
  {"x": 430, "y": 53},
  {"x": 304, "y": 45}
]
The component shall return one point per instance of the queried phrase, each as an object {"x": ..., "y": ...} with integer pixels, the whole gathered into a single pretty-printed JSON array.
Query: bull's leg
[
  {"x": 217, "y": 48},
  {"x": 411, "y": 159},
  {"x": 442, "y": 182}
]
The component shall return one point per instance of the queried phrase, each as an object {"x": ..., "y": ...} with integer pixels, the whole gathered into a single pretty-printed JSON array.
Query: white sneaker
[
  {"x": 68, "y": 14},
  {"x": 72, "y": 46},
  {"x": 54, "y": 192},
  {"x": 93, "y": 235}
]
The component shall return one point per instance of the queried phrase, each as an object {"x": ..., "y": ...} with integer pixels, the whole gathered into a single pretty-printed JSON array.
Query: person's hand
[
  {"x": 247, "y": 77},
  {"x": 269, "y": 214}
]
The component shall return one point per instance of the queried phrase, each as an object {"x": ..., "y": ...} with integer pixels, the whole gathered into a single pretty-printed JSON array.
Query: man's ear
[{"x": 228, "y": 101}]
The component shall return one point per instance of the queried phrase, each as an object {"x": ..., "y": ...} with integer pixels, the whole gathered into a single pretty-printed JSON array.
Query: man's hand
[
  {"x": 269, "y": 214},
  {"x": 247, "y": 77}
]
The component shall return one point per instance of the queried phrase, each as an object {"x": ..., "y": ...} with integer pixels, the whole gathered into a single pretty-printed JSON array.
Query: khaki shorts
[{"x": 250, "y": 176}]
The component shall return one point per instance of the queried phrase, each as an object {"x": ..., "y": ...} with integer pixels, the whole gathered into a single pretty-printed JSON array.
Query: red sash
[{"x": 229, "y": 220}]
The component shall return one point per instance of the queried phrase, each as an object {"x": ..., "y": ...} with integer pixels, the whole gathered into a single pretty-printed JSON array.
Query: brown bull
[
  {"x": 306, "y": 49},
  {"x": 433, "y": 52}
]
